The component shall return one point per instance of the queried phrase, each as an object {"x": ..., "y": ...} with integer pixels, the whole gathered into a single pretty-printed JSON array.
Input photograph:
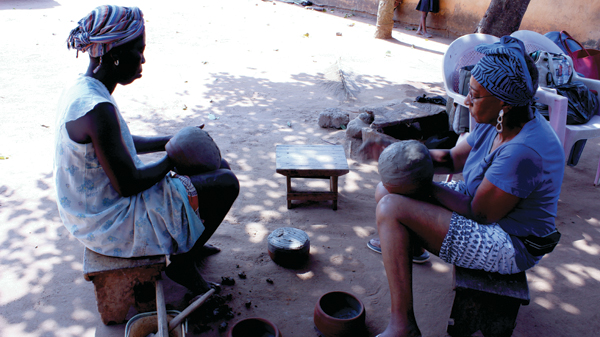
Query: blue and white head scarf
[
  {"x": 106, "y": 27},
  {"x": 503, "y": 71}
]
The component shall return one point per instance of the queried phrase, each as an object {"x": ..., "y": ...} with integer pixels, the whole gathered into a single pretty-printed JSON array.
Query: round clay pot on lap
[
  {"x": 405, "y": 167},
  {"x": 193, "y": 151}
]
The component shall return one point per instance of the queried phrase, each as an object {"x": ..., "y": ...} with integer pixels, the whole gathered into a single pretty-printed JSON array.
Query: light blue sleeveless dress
[{"x": 157, "y": 221}]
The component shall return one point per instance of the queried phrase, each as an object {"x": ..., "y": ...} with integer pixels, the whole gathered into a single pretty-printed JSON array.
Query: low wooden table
[{"x": 311, "y": 161}]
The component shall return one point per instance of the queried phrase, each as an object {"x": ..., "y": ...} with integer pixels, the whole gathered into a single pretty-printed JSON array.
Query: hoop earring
[
  {"x": 499, "y": 120},
  {"x": 117, "y": 63},
  {"x": 98, "y": 67}
]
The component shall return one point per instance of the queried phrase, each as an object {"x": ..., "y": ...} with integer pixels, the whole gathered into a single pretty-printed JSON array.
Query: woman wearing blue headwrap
[
  {"x": 512, "y": 164},
  {"x": 107, "y": 197}
]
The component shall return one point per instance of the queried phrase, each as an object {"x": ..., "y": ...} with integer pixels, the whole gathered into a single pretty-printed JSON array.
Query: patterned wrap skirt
[{"x": 472, "y": 245}]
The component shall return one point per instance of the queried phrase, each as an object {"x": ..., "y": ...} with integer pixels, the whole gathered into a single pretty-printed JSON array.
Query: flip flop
[
  {"x": 375, "y": 245},
  {"x": 421, "y": 258}
]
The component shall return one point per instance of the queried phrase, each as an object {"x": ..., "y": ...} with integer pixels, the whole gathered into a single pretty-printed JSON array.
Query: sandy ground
[{"x": 257, "y": 66}]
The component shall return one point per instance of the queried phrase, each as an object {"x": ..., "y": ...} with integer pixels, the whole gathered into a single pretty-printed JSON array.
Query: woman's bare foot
[
  {"x": 187, "y": 274},
  {"x": 208, "y": 250}
]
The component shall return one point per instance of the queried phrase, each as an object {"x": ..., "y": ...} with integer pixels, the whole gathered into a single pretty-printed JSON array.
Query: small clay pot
[
  {"x": 340, "y": 314},
  {"x": 254, "y": 327},
  {"x": 289, "y": 247}
]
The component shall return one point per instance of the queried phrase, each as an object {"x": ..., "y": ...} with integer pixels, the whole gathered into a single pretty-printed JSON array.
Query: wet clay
[
  {"x": 405, "y": 166},
  {"x": 193, "y": 151}
]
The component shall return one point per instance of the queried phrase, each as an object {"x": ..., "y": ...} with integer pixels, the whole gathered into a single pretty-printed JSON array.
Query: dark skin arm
[
  {"x": 152, "y": 144},
  {"x": 490, "y": 203},
  {"x": 101, "y": 127}
]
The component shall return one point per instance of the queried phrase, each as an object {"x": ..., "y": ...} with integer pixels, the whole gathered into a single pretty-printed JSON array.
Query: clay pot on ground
[
  {"x": 289, "y": 247},
  {"x": 340, "y": 314},
  {"x": 254, "y": 327}
]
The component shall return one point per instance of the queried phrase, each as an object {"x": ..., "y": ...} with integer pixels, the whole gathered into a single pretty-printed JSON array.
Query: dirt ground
[{"x": 257, "y": 66}]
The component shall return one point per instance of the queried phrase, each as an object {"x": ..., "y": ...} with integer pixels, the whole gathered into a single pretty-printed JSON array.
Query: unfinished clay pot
[
  {"x": 405, "y": 167},
  {"x": 340, "y": 314},
  {"x": 193, "y": 151},
  {"x": 254, "y": 327}
]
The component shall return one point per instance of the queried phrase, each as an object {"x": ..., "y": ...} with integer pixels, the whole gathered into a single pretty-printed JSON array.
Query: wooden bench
[
  {"x": 486, "y": 301},
  {"x": 311, "y": 161},
  {"x": 115, "y": 281}
]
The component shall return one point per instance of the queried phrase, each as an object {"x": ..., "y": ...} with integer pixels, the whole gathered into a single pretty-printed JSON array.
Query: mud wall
[{"x": 580, "y": 18}]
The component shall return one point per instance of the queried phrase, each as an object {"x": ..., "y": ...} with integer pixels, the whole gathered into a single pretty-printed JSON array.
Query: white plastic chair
[
  {"x": 572, "y": 133},
  {"x": 461, "y": 53}
]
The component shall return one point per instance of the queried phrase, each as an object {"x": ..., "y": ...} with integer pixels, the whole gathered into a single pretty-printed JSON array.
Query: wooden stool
[
  {"x": 311, "y": 161},
  {"x": 486, "y": 301},
  {"x": 114, "y": 280}
]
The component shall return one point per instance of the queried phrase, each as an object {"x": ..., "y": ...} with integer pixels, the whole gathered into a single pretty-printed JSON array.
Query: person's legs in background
[{"x": 423, "y": 26}]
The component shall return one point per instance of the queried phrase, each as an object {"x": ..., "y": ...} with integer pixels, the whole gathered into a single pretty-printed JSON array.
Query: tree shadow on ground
[{"x": 39, "y": 247}]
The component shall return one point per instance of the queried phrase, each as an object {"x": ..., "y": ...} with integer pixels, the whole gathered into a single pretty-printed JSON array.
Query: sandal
[{"x": 375, "y": 245}]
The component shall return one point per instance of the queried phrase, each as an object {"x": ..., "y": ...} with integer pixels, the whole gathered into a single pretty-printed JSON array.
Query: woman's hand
[{"x": 450, "y": 161}]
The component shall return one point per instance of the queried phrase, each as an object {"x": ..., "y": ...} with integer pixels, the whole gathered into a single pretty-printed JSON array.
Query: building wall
[{"x": 581, "y": 18}]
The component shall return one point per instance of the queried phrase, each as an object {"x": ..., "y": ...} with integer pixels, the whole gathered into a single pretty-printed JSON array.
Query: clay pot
[
  {"x": 254, "y": 327},
  {"x": 340, "y": 314},
  {"x": 289, "y": 247},
  {"x": 193, "y": 151},
  {"x": 405, "y": 167}
]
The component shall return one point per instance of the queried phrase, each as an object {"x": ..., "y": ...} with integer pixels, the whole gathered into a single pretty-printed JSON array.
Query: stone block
[
  {"x": 333, "y": 118},
  {"x": 354, "y": 128},
  {"x": 373, "y": 144}
]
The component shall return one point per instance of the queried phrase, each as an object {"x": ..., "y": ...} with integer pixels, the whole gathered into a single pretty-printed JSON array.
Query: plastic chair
[
  {"x": 572, "y": 133},
  {"x": 460, "y": 53}
]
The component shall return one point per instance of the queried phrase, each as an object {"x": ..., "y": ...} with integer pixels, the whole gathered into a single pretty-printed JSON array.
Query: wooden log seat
[
  {"x": 119, "y": 283},
  {"x": 486, "y": 302}
]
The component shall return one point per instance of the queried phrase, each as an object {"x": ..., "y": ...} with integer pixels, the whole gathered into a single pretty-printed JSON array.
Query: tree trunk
[
  {"x": 503, "y": 17},
  {"x": 385, "y": 19}
]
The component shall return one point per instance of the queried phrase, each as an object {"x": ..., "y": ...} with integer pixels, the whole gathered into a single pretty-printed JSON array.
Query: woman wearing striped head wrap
[
  {"x": 107, "y": 197},
  {"x": 512, "y": 164}
]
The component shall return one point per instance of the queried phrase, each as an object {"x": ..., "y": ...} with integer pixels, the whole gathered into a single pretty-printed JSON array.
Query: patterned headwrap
[
  {"x": 503, "y": 71},
  {"x": 106, "y": 27}
]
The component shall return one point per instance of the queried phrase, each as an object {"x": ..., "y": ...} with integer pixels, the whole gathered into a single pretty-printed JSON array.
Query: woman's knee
[
  {"x": 230, "y": 183},
  {"x": 222, "y": 183},
  {"x": 391, "y": 209},
  {"x": 380, "y": 192}
]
